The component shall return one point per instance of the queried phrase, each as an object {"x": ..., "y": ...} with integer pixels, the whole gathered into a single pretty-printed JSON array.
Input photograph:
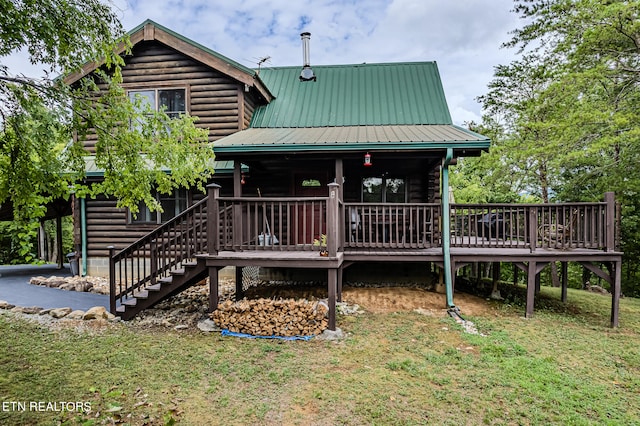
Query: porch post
[
  {"x": 333, "y": 227},
  {"x": 237, "y": 208},
  {"x": 446, "y": 234},
  {"x": 533, "y": 228},
  {"x": 609, "y": 199},
  {"x": 237, "y": 179},
  {"x": 341, "y": 215},
  {"x": 213, "y": 219}
]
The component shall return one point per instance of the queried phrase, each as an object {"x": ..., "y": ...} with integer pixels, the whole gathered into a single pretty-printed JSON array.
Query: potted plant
[{"x": 322, "y": 243}]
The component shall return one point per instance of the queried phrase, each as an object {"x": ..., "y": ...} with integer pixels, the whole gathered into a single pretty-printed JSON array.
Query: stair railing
[{"x": 156, "y": 254}]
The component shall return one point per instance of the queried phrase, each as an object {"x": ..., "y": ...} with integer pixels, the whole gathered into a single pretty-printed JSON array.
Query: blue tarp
[{"x": 226, "y": 332}]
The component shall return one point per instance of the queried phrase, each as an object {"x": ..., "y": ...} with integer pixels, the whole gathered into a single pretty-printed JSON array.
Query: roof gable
[
  {"x": 354, "y": 95},
  {"x": 150, "y": 30}
]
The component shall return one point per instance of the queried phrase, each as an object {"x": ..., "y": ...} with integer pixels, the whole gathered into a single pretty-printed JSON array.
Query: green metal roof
[
  {"x": 345, "y": 138},
  {"x": 220, "y": 167},
  {"x": 354, "y": 95}
]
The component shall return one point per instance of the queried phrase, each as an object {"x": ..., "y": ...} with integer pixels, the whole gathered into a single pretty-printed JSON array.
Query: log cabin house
[{"x": 350, "y": 159}]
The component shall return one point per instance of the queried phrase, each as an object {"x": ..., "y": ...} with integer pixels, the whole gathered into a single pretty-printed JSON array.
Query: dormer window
[{"x": 171, "y": 101}]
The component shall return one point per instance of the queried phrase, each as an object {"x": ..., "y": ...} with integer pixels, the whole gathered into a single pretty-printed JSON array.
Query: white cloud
[{"x": 463, "y": 36}]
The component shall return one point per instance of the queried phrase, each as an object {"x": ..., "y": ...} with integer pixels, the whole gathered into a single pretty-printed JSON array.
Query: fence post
[
  {"x": 213, "y": 219},
  {"x": 609, "y": 199},
  {"x": 333, "y": 227},
  {"x": 112, "y": 280}
]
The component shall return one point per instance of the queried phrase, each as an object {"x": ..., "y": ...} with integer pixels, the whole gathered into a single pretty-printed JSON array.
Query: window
[
  {"x": 171, "y": 101},
  {"x": 172, "y": 205},
  {"x": 383, "y": 189}
]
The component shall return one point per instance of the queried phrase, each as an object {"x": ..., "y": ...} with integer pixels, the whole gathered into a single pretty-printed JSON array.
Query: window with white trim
[
  {"x": 171, "y": 101},
  {"x": 383, "y": 190},
  {"x": 172, "y": 205}
]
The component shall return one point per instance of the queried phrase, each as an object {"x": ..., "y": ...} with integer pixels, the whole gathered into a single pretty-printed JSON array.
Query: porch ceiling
[{"x": 351, "y": 138}]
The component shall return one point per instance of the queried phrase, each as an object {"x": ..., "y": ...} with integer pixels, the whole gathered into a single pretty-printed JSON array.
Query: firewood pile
[{"x": 268, "y": 317}]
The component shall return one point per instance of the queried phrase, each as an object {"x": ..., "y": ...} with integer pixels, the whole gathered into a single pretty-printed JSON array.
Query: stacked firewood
[{"x": 267, "y": 317}]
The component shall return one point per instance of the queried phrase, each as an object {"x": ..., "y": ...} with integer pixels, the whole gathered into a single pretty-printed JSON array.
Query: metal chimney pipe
[
  {"x": 307, "y": 73},
  {"x": 305, "y": 49}
]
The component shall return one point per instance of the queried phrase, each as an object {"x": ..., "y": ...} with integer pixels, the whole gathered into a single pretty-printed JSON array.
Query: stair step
[
  {"x": 142, "y": 294},
  {"x": 154, "y": 287},
  {"x": 190, "y": 264},
  {"x": 130, "y": 302},
  {"x": 166, "y": 280},
  {"x": 121, "y": 309},
  {"x": 178, "y": 272}
]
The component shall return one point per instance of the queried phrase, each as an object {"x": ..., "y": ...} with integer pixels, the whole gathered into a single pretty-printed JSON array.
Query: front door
[{"x": 310, "y": 217}]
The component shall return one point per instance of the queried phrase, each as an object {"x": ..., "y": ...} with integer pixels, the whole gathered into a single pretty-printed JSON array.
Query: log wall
[{"x": 218, "y": 101}]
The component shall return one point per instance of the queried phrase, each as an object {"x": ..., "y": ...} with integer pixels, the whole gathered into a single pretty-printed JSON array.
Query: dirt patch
[
  {"x": 382, "y": 299},
  {"x": 394, "y": 299}
]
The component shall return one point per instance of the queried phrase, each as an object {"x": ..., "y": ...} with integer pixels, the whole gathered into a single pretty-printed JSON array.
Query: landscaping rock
[
  {"x": 78, "y": 314},
  {"x": 180, "y": 327},
  {"x": 67, "y": 286},
  {"x": 60, "y": 312},
  {"x": 87, "y": 284},
  {"x": 31, "y": 310},
  {"x": 97, "y": 312},
  {"x": 83, "y": 286},
  {"x": 331, "y": 335},
  {"x": 6, "y": 305},
  {"x": 208, "y": 326}
]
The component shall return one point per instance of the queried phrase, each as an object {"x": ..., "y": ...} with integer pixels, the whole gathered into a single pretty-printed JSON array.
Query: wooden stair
[{"x": 178, "y": 280}]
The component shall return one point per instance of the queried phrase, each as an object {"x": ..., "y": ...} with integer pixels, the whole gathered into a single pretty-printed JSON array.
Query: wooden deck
[{"x": 289, "y": 233}]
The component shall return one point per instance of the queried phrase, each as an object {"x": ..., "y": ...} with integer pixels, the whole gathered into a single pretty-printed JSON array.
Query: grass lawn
[{"x": 564, "y": 366}]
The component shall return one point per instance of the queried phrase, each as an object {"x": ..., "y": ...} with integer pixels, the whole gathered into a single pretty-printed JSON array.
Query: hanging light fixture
[
  {"x": 242, "y": 181},
  {"x": 367, "y": 160}
]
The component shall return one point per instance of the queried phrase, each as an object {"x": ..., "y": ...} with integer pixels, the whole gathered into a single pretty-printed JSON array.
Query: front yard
[{"x": 564, "y": 366}]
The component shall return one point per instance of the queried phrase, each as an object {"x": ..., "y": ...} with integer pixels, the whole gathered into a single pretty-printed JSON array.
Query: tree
[
  {"x": 572, "y": 103},
  {"x": 43, "y": 121}
]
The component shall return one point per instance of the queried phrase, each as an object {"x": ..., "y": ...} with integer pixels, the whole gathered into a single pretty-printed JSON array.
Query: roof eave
[{"x": 345, "y": 147}]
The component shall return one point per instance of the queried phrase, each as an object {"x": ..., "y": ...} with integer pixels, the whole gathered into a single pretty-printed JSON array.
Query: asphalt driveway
[{"x": 15, "y": 289}]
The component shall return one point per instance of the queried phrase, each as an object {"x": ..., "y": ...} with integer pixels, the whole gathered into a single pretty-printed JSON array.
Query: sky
[{"x": 462, "y": 36}]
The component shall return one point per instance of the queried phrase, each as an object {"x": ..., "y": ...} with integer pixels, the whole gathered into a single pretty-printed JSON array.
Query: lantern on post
[{"x": 367, "y": 160}]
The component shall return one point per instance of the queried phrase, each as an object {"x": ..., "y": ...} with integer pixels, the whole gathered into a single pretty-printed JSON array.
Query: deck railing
[
  {"x": 271, "y": 223},
  {"x": 250, "y": 223},
  {"x": 275, "y": 223},
  {"x": 552, "y": 226},
  {"x": 290, "y": 224},
  {"x": 391, "y": 225}
]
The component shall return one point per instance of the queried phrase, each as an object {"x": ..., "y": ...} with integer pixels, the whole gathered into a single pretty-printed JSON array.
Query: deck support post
[
  {"x": 532, "y": 273},
  {"x": 332, "y": 281},
  {"x": 495, "y": 277},
  {"x": 615, "y": 292},
  {"x": 340, "y": 272},
  {"x": 213, "y": 288},
  {"x": 564, "y": 266}
]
